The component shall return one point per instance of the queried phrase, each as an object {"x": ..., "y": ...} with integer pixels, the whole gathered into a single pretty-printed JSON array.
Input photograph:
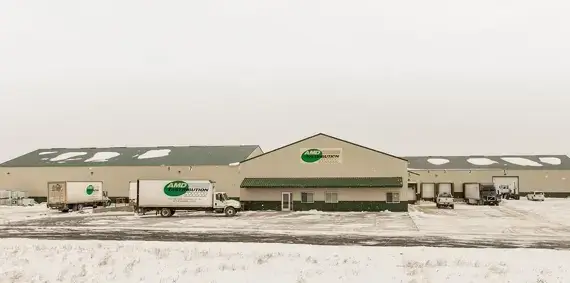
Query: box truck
[
  {"x": 168, "y": 196},
  {"x": 67, "y": 195}
]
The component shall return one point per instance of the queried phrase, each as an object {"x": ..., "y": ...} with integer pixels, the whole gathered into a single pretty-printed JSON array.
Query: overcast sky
[{"x": 408, "y": 77}]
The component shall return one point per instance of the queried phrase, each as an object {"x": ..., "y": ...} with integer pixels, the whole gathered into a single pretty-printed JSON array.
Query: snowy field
[
  {"x": 520, "y": 219},
  {"x": 30, "y": 261}
]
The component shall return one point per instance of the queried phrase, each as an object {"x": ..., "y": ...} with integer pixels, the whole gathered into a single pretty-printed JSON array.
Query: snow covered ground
[
  {"x": 12, "y": 214},
  {"x": 29, "y": 261},
  {"x": 515, "y": 219}
]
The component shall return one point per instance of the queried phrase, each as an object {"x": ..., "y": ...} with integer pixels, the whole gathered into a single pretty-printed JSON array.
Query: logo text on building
[{"x": 323, "y": 155}]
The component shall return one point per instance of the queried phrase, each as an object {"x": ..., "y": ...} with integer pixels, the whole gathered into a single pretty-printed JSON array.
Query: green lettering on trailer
[{"x": 176, "y": 188}]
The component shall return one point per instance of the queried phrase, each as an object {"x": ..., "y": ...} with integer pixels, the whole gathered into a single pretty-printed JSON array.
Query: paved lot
[{"x": 513, "y": 224}]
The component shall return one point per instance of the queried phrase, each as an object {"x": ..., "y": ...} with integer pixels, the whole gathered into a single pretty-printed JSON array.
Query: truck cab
[
  {"x": 535, "y": 196},
  {"x": 489, "y": 194},
  {"x": 223, "y": 203}
]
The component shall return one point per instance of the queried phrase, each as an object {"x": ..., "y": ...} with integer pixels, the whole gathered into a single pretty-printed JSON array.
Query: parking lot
[{"x": 511, "y": 220}]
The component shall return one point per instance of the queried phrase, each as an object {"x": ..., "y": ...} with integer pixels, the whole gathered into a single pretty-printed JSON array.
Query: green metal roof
[
  {"x": 133, "y": 156},
  {"x": 353, "y": 182}
]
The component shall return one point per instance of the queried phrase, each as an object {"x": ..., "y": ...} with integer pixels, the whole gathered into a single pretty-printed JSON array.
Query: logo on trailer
[
  {"x": 176, "y": 188},
  {"x": 312, "y": 155},
  {"x": 89, "y": 190}
]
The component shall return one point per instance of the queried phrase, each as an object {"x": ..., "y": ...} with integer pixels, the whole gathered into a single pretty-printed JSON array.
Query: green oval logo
[
  {"x": 90, "y": 189},
  {"x": 176, "y": 188},
  {"x": 312, "y": 155}
]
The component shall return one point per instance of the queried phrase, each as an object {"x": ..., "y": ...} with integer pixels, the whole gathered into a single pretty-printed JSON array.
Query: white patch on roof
[
  {"x": 103, "y": 156},
  {"x": 45, "y": 158},
  {"x": 154, "y": 153},
  {"x": 67, "y": 155},
  {"x": 47, "y": 152},
  {"x": 481, "y": 161},
  {"x": 521, "y": 161},
  {"x": 438, "y": 161},
  {"x": 551, "y": 160}
]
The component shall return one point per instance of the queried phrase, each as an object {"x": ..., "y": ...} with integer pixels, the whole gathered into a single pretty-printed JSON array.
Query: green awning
[{"x": 355, "y": 182}]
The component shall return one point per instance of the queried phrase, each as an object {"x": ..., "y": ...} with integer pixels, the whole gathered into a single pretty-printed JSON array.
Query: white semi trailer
[
  {"x": 168, "y": 196},
  {"x": 132, "y": 193},
  {"x": 72, "y": 195}
]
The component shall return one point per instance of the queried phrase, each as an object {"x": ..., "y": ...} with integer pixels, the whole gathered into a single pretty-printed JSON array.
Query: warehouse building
[
  {"x": 547, "y": 173},
  {"x": 117, "y": 166},
  {"x": 324, "y": 173}
]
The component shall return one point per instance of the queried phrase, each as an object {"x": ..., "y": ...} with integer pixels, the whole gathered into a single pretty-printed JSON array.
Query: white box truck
[
  {"x": 67, "y": 195},
  {"x": 168, "y": 196}
]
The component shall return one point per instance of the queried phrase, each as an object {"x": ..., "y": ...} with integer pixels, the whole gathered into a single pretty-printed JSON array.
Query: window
[
  {"x": 331, "y": 197},
  {"x": 307, "y": 197},
  {"x": 392, "y": 197}
]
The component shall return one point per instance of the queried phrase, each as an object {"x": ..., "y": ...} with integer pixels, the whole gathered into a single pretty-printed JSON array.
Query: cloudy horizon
[{"x": 409, "y": 78}]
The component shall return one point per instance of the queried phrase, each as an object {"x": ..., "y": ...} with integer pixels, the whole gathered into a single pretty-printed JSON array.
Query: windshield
[{"x": 224, "y": 196}]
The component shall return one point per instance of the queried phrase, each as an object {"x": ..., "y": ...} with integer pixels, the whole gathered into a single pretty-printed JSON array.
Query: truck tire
[
  {"x": 166, "y": 212},
  {"x": 230, "y": 211},
  {"x": 79, "y": 207}
]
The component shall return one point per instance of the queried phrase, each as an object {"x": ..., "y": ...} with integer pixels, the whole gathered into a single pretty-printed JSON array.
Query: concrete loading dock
[{"x": 523, "y": 174}]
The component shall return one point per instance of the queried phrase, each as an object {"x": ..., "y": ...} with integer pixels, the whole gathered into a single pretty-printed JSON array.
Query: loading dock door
[
  {"x": 444, "y": 187},
  {"x": 428, "y": 190},
  {"x": 507, "y": 183}
]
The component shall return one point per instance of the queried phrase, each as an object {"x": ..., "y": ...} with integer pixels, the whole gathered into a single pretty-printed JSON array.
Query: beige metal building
[
  {"x": 116, "y": 167},
  {"x": 324, "y": 173},
  {"x": 547, "y": 173}
]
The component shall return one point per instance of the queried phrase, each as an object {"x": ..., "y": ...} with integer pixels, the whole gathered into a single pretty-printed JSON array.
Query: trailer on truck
[
  {"x": 73, "y": 195},
  {"x": 168, "y": 196}
]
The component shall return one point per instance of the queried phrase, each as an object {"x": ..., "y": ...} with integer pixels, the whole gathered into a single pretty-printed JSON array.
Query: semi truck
[
  {"x": 168, "y": 196},
  {"x": 482, "y": 194},
  {"x": 73, "y": 195}
]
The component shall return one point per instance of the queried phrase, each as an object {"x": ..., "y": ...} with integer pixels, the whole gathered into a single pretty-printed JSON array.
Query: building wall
[
  {"x": 356, "y": 162},
  {"x": 349, "y": 199},
  {"x": 256, "y": 152},
  {"x": 115, "y": 179},
  {"x": 555, "y": 183}
]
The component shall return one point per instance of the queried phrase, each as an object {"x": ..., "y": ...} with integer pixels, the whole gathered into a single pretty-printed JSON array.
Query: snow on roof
[
  {"x": 551, "y": 160},
  {"x": 438, "y": 161},
  {"x": 487, "y": 162},
  {"x": 47, "y": 152},
  {"x": 67, "y": 155},
  {"x": 521, "y": 161},
  {"x": 154, "y": 153},
  {"x": 103, "y": 156},
  {"x": 481, "y": 161}
]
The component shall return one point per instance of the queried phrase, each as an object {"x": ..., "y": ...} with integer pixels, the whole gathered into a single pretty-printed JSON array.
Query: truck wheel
[
  {"x": 166, "y": 212},
  {"x": 230, "y": 211},
  {"x": 79, "y": 207}
]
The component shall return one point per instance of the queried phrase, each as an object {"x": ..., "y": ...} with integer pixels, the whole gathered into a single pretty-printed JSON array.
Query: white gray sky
[{"x": 408, "y": 77}]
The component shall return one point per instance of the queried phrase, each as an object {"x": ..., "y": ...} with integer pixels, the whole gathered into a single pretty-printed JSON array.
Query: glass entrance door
[{"x": 286, "y": 201}]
